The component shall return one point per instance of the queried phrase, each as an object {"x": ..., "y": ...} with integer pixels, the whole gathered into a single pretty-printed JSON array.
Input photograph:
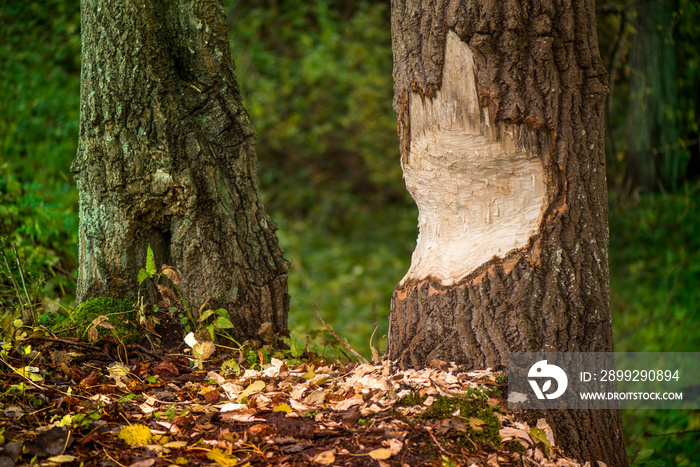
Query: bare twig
[
  {"x": 345, "y": 342},
  {"x": 437, "y": 443},
  {"x": 64, "y": 271},
  {"x": 674, "y": 433}
]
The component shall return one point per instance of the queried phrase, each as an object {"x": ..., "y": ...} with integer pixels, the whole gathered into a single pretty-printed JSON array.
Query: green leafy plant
[
  {"x": 150, "y": 272},
  {"x": 220, "y": 322}
]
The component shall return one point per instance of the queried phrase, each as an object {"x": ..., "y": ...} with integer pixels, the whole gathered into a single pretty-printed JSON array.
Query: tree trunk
[
  {"x": 654, "y": 156},
  {"x": 500, "y": 110},
  {"x": 166, "y": 158}
]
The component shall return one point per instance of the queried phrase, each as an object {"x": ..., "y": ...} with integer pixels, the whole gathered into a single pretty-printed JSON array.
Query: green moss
[
  {"x": 411, "y": 400},
  {"x": 121, "y": 315},
  {"x": 462, "y": 409}
]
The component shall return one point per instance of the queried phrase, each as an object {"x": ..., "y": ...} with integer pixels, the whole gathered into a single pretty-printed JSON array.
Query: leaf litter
[{"x": 85, "y": 405}]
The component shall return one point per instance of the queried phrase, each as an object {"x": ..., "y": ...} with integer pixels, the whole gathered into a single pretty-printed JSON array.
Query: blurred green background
[{"x": 316, "y": 80}]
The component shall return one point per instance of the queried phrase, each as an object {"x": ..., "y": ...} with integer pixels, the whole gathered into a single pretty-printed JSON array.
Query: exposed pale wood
[{"x": 478, "y": 195}]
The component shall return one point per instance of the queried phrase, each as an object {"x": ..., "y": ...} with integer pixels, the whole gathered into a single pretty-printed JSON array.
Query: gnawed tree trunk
[
  {"x": 500, "y": 109},
  {"x": 167, "y": 157}
]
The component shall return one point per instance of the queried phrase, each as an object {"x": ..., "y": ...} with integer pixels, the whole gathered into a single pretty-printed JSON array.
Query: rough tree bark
[
  {"x": 167, "y": 157},
  {"x": 500, "y": 109}
]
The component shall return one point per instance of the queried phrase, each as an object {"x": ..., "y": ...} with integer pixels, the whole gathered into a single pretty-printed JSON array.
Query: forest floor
[{"x": 109, "y": 404}]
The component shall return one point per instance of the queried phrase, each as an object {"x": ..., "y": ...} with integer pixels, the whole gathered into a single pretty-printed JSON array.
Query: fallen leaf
[
  {"x": 344, "y": 405},
  {"x": 492, "y": 402},
  {"x": 136, "y": 435},
  {"x": 395, "y": 446},
  {"x": 316, "y": 397},
  {"x": 476, "y": 424},
  {"x": 380, "y": 454},
  {"x": 232, "y": 407},
  {"x": 222, "y": 459},
  {"x": 516, "y": 397},
  {"x": 549, "y": 434},
  {"x": 172, "y": 273},
  {"x": 144, "y": 463},
  {"x": 257, "y": 386},
  {"x": 191, "y": 340},
  {"x": 203, "y": 350},
  {"x": 283, "y": 408},
  {"x": 175, "y": 444},
  {"x": 118, "y": 369},
  {"x": 325, "y": 458},
  {"x": 62, "y": 459}
]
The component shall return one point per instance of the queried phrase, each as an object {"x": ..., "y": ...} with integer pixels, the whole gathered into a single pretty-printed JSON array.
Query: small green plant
[
  {"x": 216, "y": 322},
  {"x": 80, "y": 420},
  {"x": 129, "y": 398},
  {"x": 170, "y": 274},
  {"x": 221, "y": 321},
  {"x": 230, "y": 366}
]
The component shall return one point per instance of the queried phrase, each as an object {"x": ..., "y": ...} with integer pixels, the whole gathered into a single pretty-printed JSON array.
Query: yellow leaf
[
  {"x": 136, "y": 435},
  {"x": 222, "y": 459},
  {"x": 380, "y": 454},
  {"x": 255, "y": 387},
  {"x": 181, "y": 461},
  {"x": 62, "y": 459},
  {"x": 118, "y": 369},
  {"x": 283, "y": 408},
  {"x": 325, "y": 458},
  {"x": 175, "y": 444}
]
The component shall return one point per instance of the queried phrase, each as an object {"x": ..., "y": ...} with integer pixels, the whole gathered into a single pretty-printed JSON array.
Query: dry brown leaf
[
  {"x": 172, "y": 273},
  {"x": 549, "y": 434},
  {"x": 476, "y": 424},
  {"x": 168, "y": 295},
  {"x": 317, "y": 397}
]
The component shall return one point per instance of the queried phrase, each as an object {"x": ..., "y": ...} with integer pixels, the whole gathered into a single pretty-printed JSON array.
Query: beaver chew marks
[{"x": 480, "y": 190}]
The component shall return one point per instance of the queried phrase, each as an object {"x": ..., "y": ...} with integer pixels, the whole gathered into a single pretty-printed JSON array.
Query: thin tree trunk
[
  {"x": 500, "y": 109},
  {"x": 654, "y": 156},
  {"x": 166, "y": 158}
]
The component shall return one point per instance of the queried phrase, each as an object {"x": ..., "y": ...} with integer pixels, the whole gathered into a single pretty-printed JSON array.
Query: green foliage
[
  {"x": 316, "y": 79},
  {"x": 39, "y": 85},
  {"x": 655, "y": 265},
  {"x": 655, "y": 268}
]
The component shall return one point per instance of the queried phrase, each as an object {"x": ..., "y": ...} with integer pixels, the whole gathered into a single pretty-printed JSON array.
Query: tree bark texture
[
  {"x": 166, "y": 158},
  {"x": 511, "y": 190}
]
